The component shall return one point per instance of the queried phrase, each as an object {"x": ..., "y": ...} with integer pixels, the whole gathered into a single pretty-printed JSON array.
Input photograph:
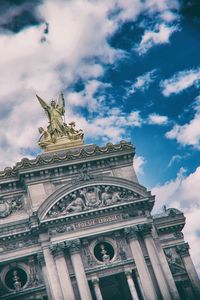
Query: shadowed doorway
[{"x": 115, "y": 287}]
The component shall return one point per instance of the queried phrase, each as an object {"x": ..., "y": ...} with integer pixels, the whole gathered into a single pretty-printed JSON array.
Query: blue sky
[{"x": 129, "y": 69}]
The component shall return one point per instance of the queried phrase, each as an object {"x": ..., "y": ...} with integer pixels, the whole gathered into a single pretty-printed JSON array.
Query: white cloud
[
  {"x": 111, "y": 127},
  {"x": 159, "y": 35},
  {"x": 188, "y": 134},
  {"x": 180, "y": 81},
  {"x": 157, "y": 119},
  {"x": 138, "y": 164},
  {"x": 87, "y": 97},
  {"x": 183, "y": 193},
  {"x": 169, "y": 16},
  {"x": 175, "y": 158},
  {"x": 78, "y": 31},
  {"x": 75, "y": 47},
  {"x": 142, "y": 82}
]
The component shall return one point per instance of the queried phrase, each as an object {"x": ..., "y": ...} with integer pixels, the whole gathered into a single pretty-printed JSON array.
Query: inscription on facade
[
  {"x": 86, "y": 223},
  {"x": 97, "y": 221}
]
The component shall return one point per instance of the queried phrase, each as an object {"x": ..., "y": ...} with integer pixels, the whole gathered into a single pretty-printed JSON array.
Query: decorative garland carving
[
  {"x": 90, "y": 198},
  {"x": 7, "y": 206},
  {"x": 18, "y": 244},
  {"x": 62, "y": 156}
]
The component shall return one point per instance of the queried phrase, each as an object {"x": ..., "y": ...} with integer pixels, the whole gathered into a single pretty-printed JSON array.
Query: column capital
[
  {"x": 95, "y": 280},
  {"x": 57, "y": 249},
  {"x": 145, "y": 229},
  {"x": 128, "y": 273},
  {"x": 74, "y": 246},
  {"x": 183, "y": 249},
  {"x": 40, "y": 258},
  {"x": 131, "y": 232}
]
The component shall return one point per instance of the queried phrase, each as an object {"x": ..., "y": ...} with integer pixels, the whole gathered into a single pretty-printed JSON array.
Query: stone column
[
  {"x": 165, "y": 266},
  {"x": 74, "y": 248},
  {"x": 41, "y": 261},
  {"x": 63, "y": 273},
  {"x": 146, "y": 281},
  {"x": 95, "y": 282},
  {"x": 131, "y": 284},
  {"x": 54, "y": 282},
  {"x": 145, "y": 229},
  {"x": 183, "y": 250},
  {"x": 140, "y": 286}
]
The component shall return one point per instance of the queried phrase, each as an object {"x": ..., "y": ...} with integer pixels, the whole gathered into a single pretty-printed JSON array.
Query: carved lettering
[{"x": 97, "y": 221}]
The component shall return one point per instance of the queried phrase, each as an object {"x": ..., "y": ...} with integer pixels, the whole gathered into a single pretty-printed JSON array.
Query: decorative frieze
[{"x": 18, "y": 244}]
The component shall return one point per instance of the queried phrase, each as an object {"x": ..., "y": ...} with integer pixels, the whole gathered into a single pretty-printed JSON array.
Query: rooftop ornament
[{"x": 58, "y": 134}]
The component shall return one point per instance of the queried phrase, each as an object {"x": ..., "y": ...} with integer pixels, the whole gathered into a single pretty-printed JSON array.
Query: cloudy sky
[{"x": 129, "y": 69}]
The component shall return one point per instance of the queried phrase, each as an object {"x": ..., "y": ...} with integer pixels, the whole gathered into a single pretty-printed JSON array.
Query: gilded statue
[{"x": 58, "y": 134}]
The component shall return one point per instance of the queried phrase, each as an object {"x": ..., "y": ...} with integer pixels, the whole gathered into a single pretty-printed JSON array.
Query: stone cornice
[{"x": 60, "y": 157}]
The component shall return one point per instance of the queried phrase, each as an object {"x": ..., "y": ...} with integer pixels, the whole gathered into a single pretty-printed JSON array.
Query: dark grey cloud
[{"x": 15, "y": 15}]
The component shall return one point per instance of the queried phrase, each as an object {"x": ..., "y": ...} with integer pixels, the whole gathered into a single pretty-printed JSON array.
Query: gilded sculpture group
[{"x": 57, "y": 130}]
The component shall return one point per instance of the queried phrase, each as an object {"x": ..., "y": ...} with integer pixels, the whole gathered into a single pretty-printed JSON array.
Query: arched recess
[{"x": 138, "y": 191}]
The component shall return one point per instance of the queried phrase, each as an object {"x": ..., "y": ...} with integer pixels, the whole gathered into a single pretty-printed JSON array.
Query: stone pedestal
[
  {"x": 63, "y": 273},
  {"x": 146, "y": 281},
  {"x": 74, "y": 249},
  {"x": 131, "y": 284},
  {"x": 95, "y": 282}
]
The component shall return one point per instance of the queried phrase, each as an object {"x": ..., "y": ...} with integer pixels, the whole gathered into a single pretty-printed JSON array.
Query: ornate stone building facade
[{"x": 76, "y": 224}]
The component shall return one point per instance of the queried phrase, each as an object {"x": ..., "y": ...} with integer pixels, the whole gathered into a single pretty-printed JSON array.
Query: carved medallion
[{"x": 5, "y": 209}]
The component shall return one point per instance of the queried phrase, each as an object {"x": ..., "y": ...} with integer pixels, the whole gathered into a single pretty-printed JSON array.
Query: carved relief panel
[{"x": 91, "y": 197}]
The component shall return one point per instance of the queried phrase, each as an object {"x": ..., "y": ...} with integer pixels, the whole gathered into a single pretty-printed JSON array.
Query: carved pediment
[{"x": 91, "y": 197}]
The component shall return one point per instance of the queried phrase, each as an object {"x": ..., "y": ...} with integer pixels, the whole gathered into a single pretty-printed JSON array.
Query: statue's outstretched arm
[
  {"x": 43, "y": 103},
  {"x": 61, "y": 103}
]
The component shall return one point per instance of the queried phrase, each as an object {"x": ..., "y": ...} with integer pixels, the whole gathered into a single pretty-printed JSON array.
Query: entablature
[{"x": 44, "y": 162}]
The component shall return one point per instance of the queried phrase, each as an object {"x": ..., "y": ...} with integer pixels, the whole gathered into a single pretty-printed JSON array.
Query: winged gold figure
[{"x": 58, "y": 134}]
